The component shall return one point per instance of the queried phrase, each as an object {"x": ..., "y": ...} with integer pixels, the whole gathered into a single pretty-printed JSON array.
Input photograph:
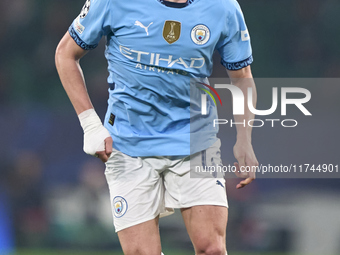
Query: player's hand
[
  {"x": 105, "y": 154},
  {"x": 98, "y": 142},
  {"x": 97, "y": 139},
  {"x": 244, "y": 154}
]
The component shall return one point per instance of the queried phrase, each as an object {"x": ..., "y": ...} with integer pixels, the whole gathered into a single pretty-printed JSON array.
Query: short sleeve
[
  {"x": 92, "y": 24},
  {"x": 235, "y": 48}
]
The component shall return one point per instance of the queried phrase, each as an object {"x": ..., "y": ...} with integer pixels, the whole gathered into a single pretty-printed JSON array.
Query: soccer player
[{"x": 159, "y": 52}]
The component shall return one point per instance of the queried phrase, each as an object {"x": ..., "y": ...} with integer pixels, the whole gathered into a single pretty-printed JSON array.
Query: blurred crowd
[
  {"x": 51, "y": 193},
  {"x": 290, "y": 39}
]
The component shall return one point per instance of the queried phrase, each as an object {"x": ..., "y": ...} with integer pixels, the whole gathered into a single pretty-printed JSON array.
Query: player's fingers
[
  {"x": 253, "y": 164},
  {"x": 252, "y": 174},
  {"x": 102, "y": 155},
  {"x": 242, "y": 166},
  {"x": 244, "y": 183},
  {"x": 241, "y": 161},
  {"x": 108, "y": 146},
  {"x": 251, "y": 171},
  {"x": 238, "y": 172},
  {"x": 105, "y": 158}
]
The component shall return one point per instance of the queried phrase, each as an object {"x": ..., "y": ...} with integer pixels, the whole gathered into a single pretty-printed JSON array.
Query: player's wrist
[
  {"x": 243, "y": 137},
  {"x": 89, "y": 120},
  {"x": 94, "y": 132}
]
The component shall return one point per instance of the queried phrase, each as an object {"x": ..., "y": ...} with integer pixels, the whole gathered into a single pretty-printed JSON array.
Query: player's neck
[{"x": 177, "y": 1}]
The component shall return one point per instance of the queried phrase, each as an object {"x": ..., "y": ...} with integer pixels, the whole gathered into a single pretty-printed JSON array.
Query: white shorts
[{"x": 142, "y": 188}]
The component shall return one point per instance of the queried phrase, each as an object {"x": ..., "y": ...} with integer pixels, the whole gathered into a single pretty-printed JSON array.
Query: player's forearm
[
  {"x": 244, "y": 130},
  {"x": 71, "y": 77},
  {"x": 244, "y": 82},
  {"x": 67, "y": 58}
]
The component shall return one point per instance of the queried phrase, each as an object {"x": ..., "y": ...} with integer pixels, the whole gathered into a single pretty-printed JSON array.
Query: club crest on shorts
[
  {"x": 200, "y": 34},
  {"x": 120, "y": 206},
  {"x": 171, "y": 31},
  {"x": 85, "y": 9}
]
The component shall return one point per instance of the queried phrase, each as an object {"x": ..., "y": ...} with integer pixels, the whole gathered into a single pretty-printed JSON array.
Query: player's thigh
[
  {"x": 136, "y": 190},
  {"x": 141, "y": 239},
  {"x": 185, "y": 189},
  {"x": 206, "y": 226}
]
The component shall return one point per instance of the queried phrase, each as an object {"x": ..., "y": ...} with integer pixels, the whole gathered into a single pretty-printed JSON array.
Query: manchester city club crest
[
  {"x": 120, "y": 206},
  {"x": 200, "y": 34},
  {"x": 85, "y": 9}
]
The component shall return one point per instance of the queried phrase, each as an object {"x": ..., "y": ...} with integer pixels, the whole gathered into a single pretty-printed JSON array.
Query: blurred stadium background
[{"x": 54, "y": 199}]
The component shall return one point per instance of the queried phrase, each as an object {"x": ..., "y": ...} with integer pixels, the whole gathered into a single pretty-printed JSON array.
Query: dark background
[{"x": 53, "y": 196}]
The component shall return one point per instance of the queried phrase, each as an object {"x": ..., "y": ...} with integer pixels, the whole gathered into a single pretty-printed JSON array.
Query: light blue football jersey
[{"x": 157, "y": 58}]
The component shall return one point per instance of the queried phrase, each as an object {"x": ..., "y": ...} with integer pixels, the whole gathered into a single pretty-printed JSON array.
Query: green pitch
[{"x": 59, "y": 252}]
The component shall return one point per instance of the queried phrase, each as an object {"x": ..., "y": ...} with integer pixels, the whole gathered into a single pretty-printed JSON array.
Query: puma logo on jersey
[{"x": 138, "y": 23}]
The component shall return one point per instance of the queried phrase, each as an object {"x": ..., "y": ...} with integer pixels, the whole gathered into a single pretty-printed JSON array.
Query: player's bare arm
[
  {"x": 67, "y": 58},
  {"x": 243, "y": 149},
  {"x": 97, "y": 140}
]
